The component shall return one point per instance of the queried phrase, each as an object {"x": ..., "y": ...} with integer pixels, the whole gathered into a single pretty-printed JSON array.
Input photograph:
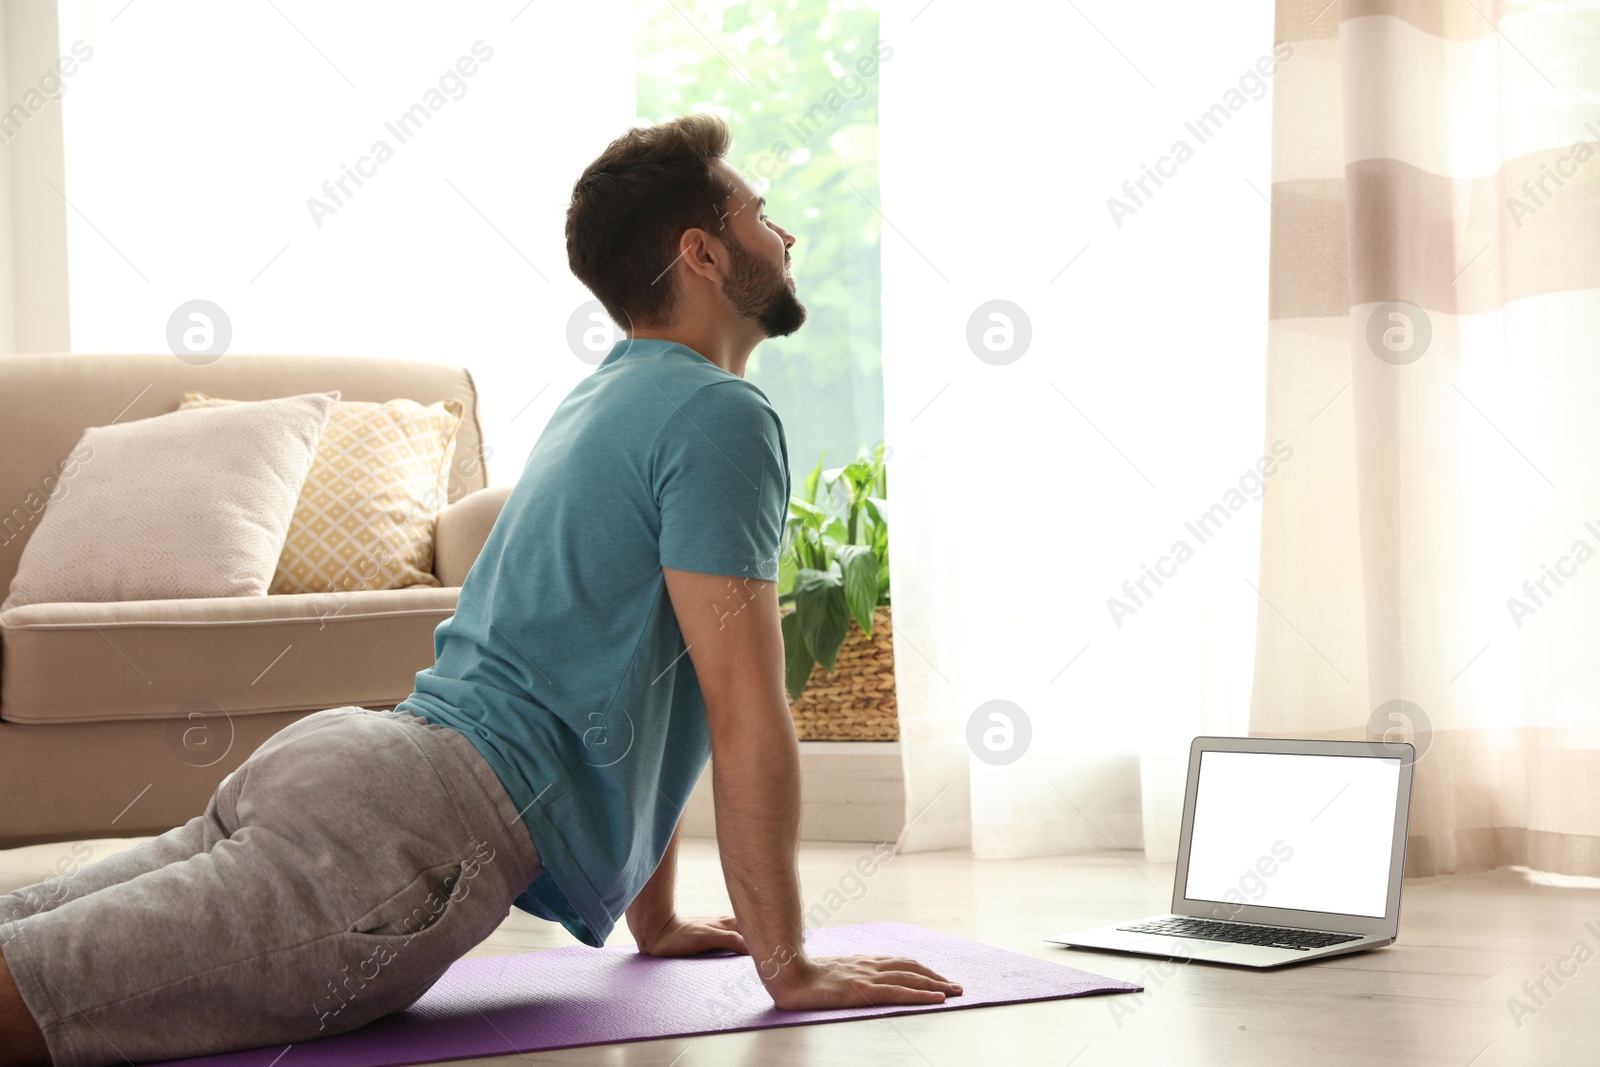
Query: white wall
[
  {"x": 33, "y": 237},
  {"x": 198, "y": 133}
]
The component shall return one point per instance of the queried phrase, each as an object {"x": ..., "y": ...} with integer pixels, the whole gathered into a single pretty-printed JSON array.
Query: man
[{"x": 620, "y": 626}]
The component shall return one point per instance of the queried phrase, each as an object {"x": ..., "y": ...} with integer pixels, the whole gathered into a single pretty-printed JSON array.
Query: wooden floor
[{"x": 1439, "y": 996}]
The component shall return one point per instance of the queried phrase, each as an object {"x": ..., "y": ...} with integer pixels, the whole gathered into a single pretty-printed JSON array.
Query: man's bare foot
[{"x": 21, "y": 1043}]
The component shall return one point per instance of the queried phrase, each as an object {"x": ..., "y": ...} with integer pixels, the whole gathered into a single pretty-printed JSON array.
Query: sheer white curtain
[
  {"x": 1027, "y": 490},
  {"x": 197, "y": 133}
]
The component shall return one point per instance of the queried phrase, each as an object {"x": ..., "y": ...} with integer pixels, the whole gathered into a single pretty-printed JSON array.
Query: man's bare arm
[{"x": 735, "y": 641}]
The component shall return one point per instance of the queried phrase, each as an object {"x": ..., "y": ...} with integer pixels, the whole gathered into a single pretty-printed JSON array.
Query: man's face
[{"x": 759, "y": 285}]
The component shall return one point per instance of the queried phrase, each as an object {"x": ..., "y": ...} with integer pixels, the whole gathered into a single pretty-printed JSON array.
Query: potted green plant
[{"x": 833, "y": 585}]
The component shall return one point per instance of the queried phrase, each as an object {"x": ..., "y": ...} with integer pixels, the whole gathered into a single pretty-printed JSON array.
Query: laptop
[{"x": 1290, "y": 851}]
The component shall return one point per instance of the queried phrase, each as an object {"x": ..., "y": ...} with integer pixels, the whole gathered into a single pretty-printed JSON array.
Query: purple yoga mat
[{"x": 566, "y": 997}]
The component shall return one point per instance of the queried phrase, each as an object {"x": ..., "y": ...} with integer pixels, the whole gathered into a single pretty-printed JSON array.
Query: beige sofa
[{"x": 120, "y": 719}]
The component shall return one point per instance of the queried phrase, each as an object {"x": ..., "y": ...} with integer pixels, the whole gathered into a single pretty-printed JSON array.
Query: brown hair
[{"x": 631, "y": 205}]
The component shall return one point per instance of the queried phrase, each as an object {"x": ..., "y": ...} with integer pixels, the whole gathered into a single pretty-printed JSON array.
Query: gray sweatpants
[{"x": 333, "y": 878}]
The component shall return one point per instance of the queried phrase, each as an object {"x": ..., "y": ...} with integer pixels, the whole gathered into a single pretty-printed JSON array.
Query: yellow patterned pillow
[{"x": 365, "y": 517}]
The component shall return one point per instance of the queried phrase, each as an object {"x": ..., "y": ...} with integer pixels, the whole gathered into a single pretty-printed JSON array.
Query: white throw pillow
[{"x": 194, "y": 503}]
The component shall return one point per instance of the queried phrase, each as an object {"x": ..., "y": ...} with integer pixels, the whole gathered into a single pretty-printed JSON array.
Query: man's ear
[{"x": 703, "y": 254}]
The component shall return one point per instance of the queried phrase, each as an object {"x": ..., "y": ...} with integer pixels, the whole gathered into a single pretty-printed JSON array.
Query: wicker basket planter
[{"x": 856, "y": 702}]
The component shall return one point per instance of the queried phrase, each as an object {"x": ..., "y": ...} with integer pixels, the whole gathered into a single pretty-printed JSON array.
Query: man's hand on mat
[
  {"x": 856, "y": 981},
  {"x": 690, "y": 937}
]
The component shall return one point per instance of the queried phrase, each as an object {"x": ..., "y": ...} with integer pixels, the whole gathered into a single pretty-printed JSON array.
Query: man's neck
[{"x": 720, "y": 346}]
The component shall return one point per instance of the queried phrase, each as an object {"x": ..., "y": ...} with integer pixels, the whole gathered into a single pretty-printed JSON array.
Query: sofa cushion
[
  {"x": 186, "y": 504},
  {"x": 89, "y": 662},
  {"x": 58, "y": 395},
  {"x": 366, "y": 512}
]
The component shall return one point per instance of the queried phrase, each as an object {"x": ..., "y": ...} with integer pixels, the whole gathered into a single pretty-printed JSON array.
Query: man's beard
[{"x": 759, "y": 292}]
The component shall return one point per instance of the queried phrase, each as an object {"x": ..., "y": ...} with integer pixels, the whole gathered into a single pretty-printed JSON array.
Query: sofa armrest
[{"x": 462, "y": 529}]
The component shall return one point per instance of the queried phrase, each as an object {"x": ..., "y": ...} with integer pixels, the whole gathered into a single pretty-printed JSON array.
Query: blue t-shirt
[{"x": 563, "y": 663}]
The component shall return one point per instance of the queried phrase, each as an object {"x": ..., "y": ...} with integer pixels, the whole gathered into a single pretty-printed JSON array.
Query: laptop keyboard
[{"x": 1240, "y": 933}]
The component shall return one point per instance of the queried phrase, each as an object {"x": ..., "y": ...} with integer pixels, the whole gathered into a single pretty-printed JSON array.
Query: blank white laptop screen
[{"x": 1312, "y": 833}]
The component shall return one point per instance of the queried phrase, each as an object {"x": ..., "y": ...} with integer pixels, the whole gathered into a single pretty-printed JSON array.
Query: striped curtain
[{"x": 1431, "y": 560}]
